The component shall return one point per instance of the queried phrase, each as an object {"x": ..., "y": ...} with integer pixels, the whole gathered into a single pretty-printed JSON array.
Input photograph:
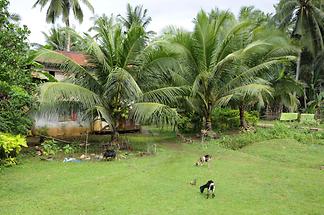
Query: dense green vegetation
[
  {"x": 279, "y": 176},
  {"x": 219, "y": 78},
  {"x": 303, "y": 21},
  {"x": 224, "y": 61},
  {"x": 252, "y": 61},
  {"x": 15, "y": 74}
]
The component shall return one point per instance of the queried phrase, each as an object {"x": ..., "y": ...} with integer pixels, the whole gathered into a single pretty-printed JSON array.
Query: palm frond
[
  {"x": 58, "y": 97},
  {"x": 166, "y": 95},
  {"x": 154, "y": 113},
  {"x": 101, "y": 112},
  {"x": 121, "y": 85}
]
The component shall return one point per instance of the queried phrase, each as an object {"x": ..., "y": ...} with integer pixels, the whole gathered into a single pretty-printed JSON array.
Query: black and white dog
[
  {"x": 203, "y": 159},
  {"x": 109, "y": 154},
  {"x": 210, "y": 186}
]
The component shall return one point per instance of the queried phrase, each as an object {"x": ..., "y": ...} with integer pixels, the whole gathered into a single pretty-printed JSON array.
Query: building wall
[
  {"x": 59, "y": 76},
  {"x": 55, "y": 127}
]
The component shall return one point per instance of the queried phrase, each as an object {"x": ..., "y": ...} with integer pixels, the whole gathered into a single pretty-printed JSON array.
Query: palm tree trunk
[
  {"x": 208, "y": 123},
  {"x": 68, "y": 35},
  {"x": 208, "y": 120},
  {"x": 298, "y": 66},
  {"x": 305, "y": 99},
  {"x": 243, "y": 123},
  {"x": 114, "y": 135}
]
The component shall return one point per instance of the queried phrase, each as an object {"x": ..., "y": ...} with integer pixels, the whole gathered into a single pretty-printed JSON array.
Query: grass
[{"x": 271, "y": 177}]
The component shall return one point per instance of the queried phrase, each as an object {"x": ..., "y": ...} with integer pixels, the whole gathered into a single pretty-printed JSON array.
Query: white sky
[{"x": 163, "y": 12}]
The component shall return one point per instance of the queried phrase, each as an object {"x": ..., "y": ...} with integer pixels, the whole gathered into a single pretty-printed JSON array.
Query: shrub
[
  {"x": 50, "y": 147},
  {"x": 188, "y": 123},
  {"x": 184, "y": 124},
  {"x": 10, "y": 146},
  {"x": 68, "y": 149},
  {"x": 252, "y": 117},
  {"x": 14, "y": 117},
  {"x": 225, "y": 119}
]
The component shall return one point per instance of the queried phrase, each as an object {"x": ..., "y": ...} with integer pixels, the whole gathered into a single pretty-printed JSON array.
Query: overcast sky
[{"x": 163, "y": 12}]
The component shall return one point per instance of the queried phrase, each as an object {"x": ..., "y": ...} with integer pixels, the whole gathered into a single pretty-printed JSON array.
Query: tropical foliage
[
  {"x": 55, "y": 39},
  {"x": 15, "y": 75},
  {"x": 303, "y": 20},
  {"x": 63, "y": 8},
  {"x": 112, "y": 89},
  {"x": 224, "y": 60},
  {"x": 10, "y": 146},
  {"x": 136, "y": 15},
  {"x": 243, "y": 63}
]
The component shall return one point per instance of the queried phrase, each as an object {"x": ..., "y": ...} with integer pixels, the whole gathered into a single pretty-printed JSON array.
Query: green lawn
[{"x": 272, "y": 177}]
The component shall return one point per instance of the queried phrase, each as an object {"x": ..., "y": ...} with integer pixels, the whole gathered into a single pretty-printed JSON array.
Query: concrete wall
[
  {"x": 54, "y": 127},
  {"x": 59, "y": 76}
]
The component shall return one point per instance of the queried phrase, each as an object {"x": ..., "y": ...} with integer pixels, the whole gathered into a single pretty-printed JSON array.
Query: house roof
[{"x": 79, "y": 58}]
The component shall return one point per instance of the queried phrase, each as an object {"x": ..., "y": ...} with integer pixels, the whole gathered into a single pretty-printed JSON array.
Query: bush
[
  {"x": 279, "y": 131},
  {"x": 252, "y": 117},
  {"x": 68, "y": 149},
  {"x": 189, "y": 123},
  {"x": 184, "y": 124},
  {"x": 50, "y": 147},
  {"x": 226, "y": 119},
  {"x": 10, "y": 146},
  {"x": 14, "y": 117}
]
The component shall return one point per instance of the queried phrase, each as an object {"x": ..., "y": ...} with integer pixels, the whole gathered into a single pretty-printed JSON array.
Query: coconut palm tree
[
  {"x": 64, "y": 8},
  {"x": 112, "y": 89},
  {"x": 222, "y": 59},
  {"x": 250, "y": 13},
  {"x": 56, "y": 39},
  {"x": 285, "y": 91},
  {"x": 304, "y": 21},
  {"x": 135, "y": 15}
]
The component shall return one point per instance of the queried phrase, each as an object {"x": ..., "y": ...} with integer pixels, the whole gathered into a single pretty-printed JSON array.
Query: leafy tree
[
  {"x": 112, "y": 89},
  {"x": 15, "y": 74},
  {"x": 222, "y": 59},
  {"x": 64, "y": 8}
]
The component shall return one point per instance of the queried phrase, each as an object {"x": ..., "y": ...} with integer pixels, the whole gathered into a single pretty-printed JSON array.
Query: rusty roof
[{"x": 79, "y": 58}]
